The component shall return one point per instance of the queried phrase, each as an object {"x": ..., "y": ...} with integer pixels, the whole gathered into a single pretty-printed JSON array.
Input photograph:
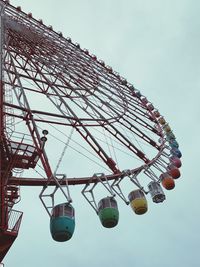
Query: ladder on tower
[{"x": 9, "y": 112}]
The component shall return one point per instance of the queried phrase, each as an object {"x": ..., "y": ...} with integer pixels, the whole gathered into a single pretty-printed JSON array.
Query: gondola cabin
[
  {"x": 176, "y": 161},
  {"x": 174, "y": 171},
  {"x": 176, "y": 152},
  {"x": 150, "y": 106},
  {"x": 144, "y": 100},
  {"x": 138, "y": 94},
  {"x": 156, "y": 192},
  {"x": 167, "y": 181},
  {"x": 170, "y": 136},
  {"x": 173, "y": 144},
  {"x": 156, "y": 113},
  {"x": 167, "y": 128},
  {"x": 108, "y": 212},
  {"x": 162, "y": 121},
  {"x": 62, "y": 222},
  {"x": 138, "y": 202}
]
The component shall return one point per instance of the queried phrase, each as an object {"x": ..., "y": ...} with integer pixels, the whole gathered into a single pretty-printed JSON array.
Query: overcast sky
[{"x": 155, "y": 45}]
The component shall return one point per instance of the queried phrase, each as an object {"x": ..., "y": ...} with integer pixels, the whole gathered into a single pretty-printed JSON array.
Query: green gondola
[{"x": 108, "y": 212}]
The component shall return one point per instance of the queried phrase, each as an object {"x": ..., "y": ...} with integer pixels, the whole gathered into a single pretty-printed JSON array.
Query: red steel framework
[{"x": 46, "y": 79}]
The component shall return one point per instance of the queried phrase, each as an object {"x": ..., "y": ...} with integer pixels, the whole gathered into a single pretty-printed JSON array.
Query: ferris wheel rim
[{"x": 85, "y": 180}]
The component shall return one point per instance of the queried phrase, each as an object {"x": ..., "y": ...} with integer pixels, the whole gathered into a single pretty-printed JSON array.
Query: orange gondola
[{"x": 167, "y": 181}]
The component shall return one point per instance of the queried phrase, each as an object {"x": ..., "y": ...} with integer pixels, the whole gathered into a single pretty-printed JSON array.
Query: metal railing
[{"x": 14, "y": 220}]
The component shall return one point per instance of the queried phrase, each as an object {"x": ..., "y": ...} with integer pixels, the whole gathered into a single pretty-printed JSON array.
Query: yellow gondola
[{"x": 138, "y": 201}]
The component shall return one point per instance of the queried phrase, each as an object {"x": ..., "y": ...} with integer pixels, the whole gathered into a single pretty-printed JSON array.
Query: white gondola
[{"x": 156, "y": 192}]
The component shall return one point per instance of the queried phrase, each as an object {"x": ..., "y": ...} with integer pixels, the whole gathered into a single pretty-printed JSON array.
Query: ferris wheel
[{"x": 66, "y": 118}]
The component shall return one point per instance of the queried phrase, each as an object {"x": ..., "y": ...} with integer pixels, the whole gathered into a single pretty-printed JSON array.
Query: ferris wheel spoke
[
  {"x": 32, "y": 74},
  {"x": 126, "y": 123},
  {"x": 127, "y": 111},
  {"x": 118, "y": 135},
  {"x": 62, "y": 106},
  {"x": 30, "y": 122},
  {"x": 87, "y": 136}
]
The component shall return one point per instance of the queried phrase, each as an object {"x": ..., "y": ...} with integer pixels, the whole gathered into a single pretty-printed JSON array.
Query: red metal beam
[{"x": 71, "y": 181}]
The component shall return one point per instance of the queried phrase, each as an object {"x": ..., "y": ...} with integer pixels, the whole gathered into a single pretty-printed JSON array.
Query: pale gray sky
[{"x": 155, "y": 45}]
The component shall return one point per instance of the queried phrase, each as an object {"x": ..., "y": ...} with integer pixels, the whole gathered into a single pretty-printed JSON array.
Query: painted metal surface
[{"x": 81, "y": 93}]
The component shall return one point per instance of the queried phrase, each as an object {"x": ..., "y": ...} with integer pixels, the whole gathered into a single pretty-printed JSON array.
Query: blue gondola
[
  {"x": 170, "y": 136},
  {"x": 62, "y": 222},
  {"x": 173, "y": 144},
  {"x": 176, "y": 152},
  {"x": 138, "y": 94}
]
